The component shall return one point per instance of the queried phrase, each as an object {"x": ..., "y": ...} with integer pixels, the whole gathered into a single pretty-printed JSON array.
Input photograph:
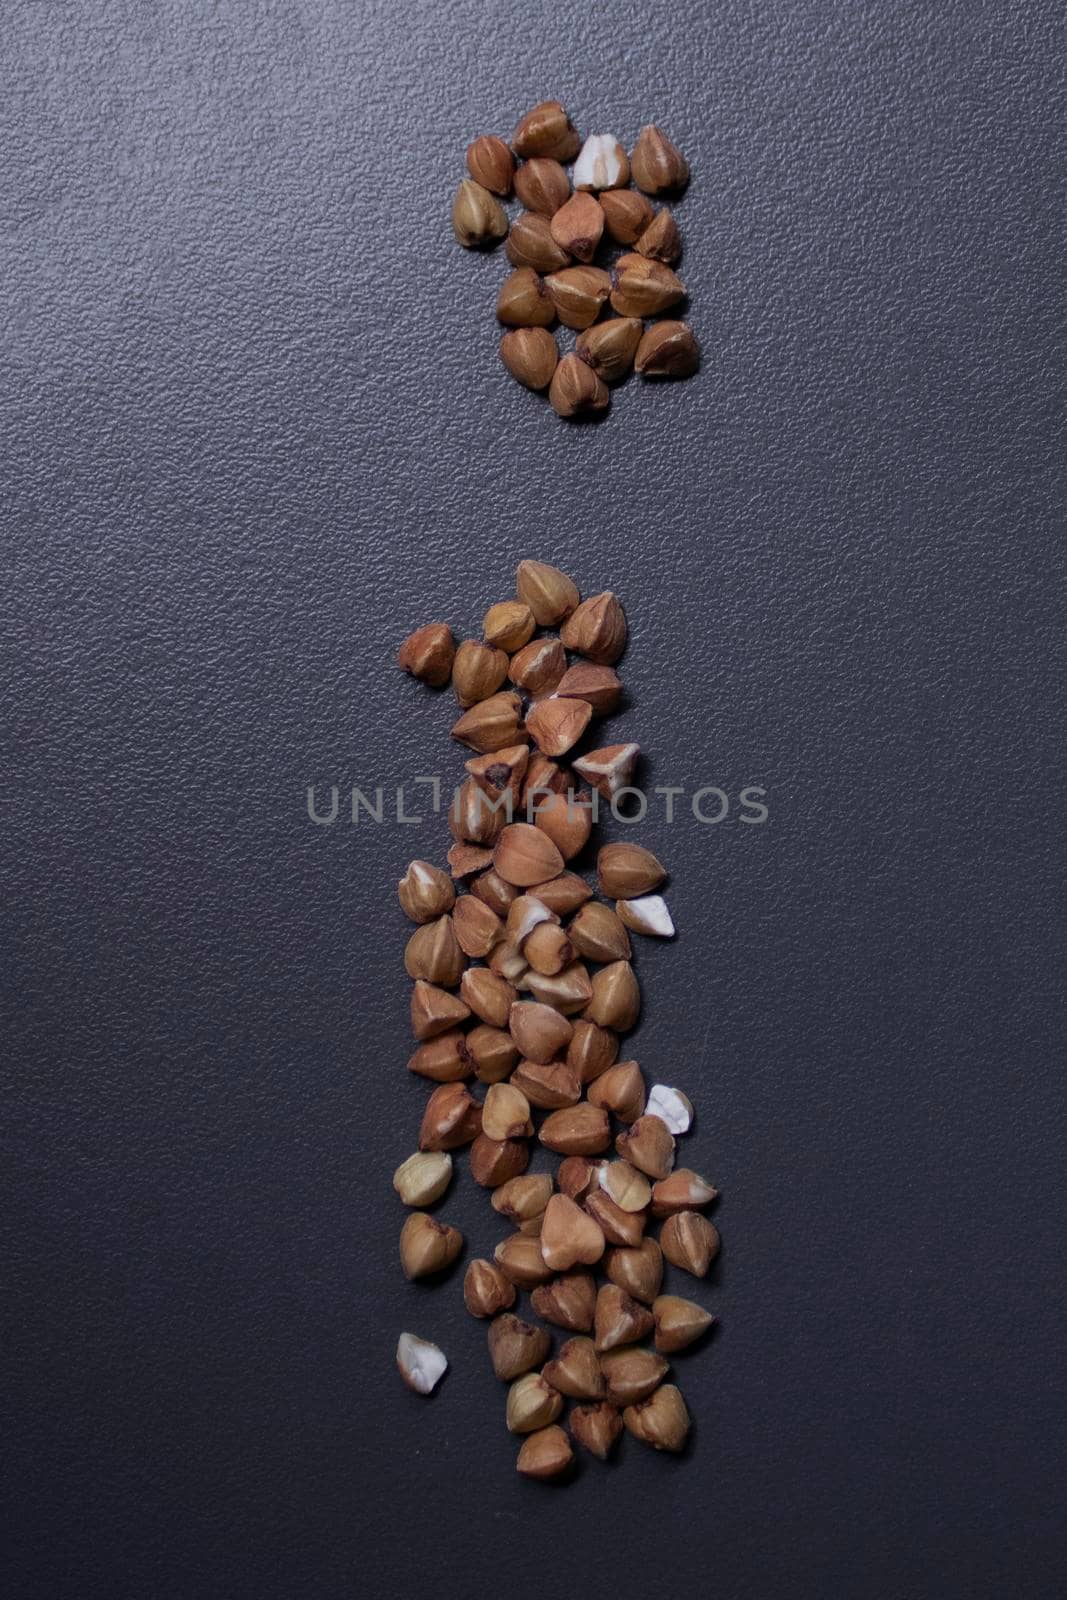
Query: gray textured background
[{"x": 252, "y": 430}]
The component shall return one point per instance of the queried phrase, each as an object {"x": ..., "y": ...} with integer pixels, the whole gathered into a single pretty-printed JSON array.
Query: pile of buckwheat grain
[
  {"x": 556, "y": 242},
  {"x": 503, "y": 995}
]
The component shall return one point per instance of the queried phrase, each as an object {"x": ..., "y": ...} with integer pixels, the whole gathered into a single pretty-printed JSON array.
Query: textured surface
[{"x": 252, "y": 430}]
